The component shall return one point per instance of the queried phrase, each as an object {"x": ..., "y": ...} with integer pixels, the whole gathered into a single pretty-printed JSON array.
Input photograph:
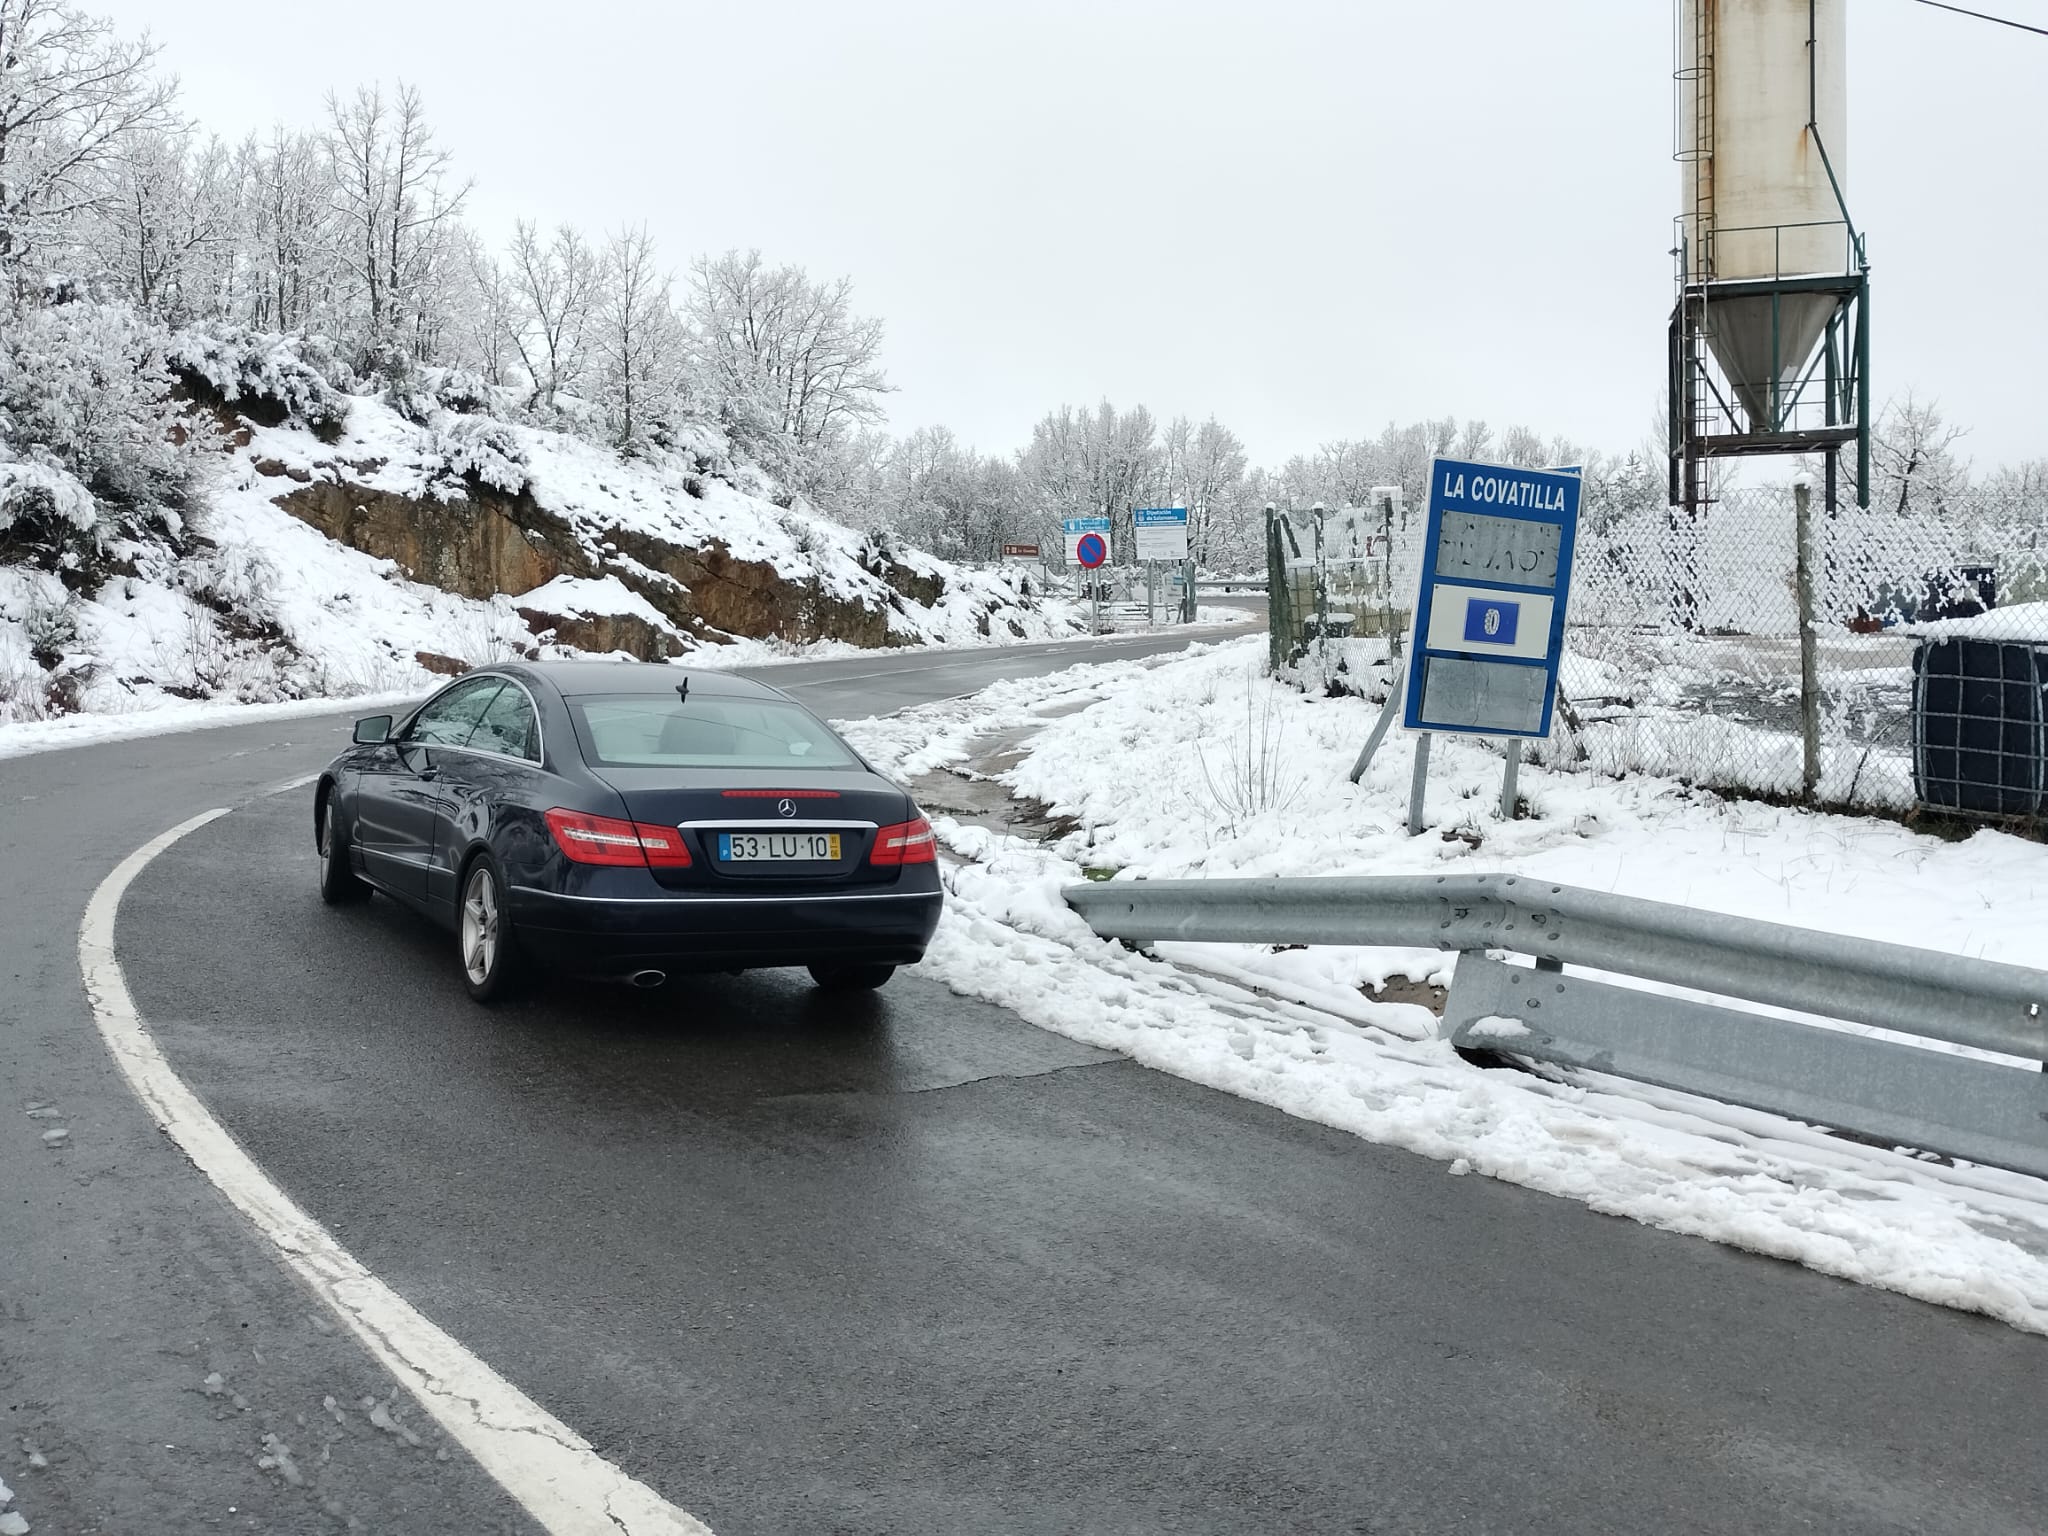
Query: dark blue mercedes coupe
[{"x": 630, "y": 820}]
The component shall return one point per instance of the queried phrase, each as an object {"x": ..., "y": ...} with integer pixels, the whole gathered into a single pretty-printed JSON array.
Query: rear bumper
[{"x": 612, "y": 936}]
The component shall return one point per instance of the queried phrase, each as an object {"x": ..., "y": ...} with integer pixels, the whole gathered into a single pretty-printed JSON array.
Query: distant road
[{"x": 899, "y": 1265}]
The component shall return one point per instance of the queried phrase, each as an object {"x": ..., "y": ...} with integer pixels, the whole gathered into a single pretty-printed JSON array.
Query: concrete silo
[{"x": 1769, "y": 337}]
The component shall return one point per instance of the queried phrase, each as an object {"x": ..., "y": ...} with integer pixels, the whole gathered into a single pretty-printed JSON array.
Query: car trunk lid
[{"x": 745, "y": 828}]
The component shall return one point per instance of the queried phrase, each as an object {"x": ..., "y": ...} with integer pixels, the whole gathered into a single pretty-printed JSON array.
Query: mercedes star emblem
[{"x": 787, "y": 807}]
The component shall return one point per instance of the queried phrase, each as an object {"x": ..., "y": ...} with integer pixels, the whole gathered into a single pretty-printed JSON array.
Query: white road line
[{"x": 550, "y": 1469}]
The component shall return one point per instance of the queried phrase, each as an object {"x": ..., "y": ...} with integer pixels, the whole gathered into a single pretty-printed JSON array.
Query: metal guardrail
[{"x": 1901, "y": 1093}]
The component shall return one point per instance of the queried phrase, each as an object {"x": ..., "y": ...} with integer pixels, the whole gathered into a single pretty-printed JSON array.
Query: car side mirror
[{"x": 372, "y": 731}]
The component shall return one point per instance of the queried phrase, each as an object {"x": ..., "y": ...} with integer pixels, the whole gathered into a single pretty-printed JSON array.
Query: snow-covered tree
[
  {"x": 1914, "y": 464},
  {"x": 168, "y": 236},
  {"x": 287, "y": 231},
  {"x": 397, "y": 209},
  {"x": 1213, "y": 488},
  {"x": 85, "y": 402},
  {"x": 73, "y": 100},
  {"x": 1099, "y": 463},
  {"x": 557, "y": 283},
  {"x": 636, "y": 338},
  {"x": 783, "y": 362},
  {"x": 485, "y": 315}
]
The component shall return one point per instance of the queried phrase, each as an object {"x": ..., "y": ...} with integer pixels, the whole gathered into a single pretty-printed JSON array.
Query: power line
[{"x": 1981, "y": 16}]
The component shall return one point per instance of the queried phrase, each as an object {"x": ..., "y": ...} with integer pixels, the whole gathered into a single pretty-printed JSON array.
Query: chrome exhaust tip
[{"x": 647, "y": 978}]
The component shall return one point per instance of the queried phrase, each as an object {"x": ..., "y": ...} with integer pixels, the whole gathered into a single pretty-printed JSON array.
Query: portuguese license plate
[{"x": 768, "y": 847}]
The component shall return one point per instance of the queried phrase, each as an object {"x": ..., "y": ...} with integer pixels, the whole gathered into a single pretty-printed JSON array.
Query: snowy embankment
[
  {"x": 345, "y": 544},
  {"x": 1200, "y": 766}
]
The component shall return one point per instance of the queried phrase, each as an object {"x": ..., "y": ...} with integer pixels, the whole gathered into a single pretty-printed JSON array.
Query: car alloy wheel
[
  {"x": 482, "y": 931},
  {"x": 339, "y": 884}
]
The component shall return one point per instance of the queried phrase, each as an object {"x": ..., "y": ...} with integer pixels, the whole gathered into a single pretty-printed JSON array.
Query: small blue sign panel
[
  {"x": 1491, "y": 622},
  {"x": 1490, "y": 618}
]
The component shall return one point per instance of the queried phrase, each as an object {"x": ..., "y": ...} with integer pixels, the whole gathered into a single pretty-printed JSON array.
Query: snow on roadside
[
  {"x": 1199, "y": 766},
  {"x": 24, "y": 737}
]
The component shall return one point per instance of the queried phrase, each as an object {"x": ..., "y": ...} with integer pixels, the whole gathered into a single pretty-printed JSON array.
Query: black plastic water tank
[{"x": 1980, "y": 726}]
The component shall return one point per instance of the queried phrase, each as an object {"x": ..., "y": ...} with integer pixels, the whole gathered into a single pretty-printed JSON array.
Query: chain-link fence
[
  {"x": 1920, "y": 676},
  {"x": 1341, "y": 573}
]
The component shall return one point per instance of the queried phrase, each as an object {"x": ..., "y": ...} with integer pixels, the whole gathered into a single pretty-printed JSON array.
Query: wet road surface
[{"x": 899, "y": 1265}]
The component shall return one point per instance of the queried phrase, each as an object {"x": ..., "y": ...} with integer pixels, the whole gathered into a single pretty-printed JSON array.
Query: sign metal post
[{"x": 1088, "y": 547}]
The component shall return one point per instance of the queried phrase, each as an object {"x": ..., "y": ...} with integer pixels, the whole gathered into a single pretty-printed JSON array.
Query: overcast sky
[{"x": 1306, "y": 219}]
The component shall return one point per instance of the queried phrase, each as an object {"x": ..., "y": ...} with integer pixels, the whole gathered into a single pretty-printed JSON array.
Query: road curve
[{"x": 899, "y": 1266}]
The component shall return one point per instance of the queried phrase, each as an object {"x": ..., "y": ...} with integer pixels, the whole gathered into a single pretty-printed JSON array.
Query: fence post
[
  {"x": 1809, "y": 644},
  {"x": 1279, "y": 600}
]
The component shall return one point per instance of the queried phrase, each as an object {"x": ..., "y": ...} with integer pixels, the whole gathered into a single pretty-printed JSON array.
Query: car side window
[
  {"x": 448, "y": 720},
  {"x": 508, "y": 726}
]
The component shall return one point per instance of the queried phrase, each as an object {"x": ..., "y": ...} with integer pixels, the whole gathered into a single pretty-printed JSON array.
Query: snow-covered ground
[
  {"x": 1201, "y": 766},
  {"x": 262, "y": 607},
  {"x": 170, "y": 716}
]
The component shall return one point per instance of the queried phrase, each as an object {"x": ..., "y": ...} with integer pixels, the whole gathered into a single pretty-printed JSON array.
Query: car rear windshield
[{"x": 642, "y": 731}]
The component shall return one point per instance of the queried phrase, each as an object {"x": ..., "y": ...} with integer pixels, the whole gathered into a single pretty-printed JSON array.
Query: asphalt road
[{"x": 897, "y": 1265}]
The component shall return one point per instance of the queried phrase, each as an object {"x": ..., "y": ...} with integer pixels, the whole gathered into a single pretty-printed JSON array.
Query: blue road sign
[
  {"x": 1091, "y": 549},
  {"x": 1490, "y": 616}
]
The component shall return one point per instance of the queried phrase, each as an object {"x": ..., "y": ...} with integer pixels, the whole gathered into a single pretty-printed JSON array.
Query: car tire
[
  {"x": 851, "y": 978},
  {"x": 485, "y": 945},
  {"x": 339, "y": 885}
]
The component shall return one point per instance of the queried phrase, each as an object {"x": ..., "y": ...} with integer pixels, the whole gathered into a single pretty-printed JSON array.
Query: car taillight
[
  {"x": 908, "y": 842},
  {"x": 588, "y": 839}
]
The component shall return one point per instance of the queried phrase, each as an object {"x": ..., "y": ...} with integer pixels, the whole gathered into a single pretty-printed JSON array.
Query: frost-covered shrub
[
  {"x": 319, "y": 354},
  {"x": 488, "y": 451},
  {"x": 428, "y": 392},
  {"x": 40, "y": 494},
  {"x": 50, "y": 626},
  {"x": 460, "y": 391},
  {"x": 85, "y": 404},
  {"x": 238, "y": 580},
  {"x": 262, "y": 375},
  {"x": 880, "y": 548}
]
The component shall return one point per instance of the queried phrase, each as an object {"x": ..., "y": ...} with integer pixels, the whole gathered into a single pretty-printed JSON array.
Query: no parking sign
[{"x": 1079, "y": 531}]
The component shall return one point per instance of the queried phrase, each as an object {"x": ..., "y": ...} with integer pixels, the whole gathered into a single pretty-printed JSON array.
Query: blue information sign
[{"x": 1489, "y": 619}]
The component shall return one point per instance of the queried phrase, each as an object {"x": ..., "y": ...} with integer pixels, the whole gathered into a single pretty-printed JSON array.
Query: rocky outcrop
[
  {"x": 602, "y": 633},
  {"x": 474, "y": 546},
  {"x": 707, "y": 588},
  {"x": 484, "y": 542}
]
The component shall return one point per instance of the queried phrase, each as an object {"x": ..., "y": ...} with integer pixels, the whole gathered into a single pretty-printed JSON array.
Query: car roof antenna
[{"x": 683, "y": 690}]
